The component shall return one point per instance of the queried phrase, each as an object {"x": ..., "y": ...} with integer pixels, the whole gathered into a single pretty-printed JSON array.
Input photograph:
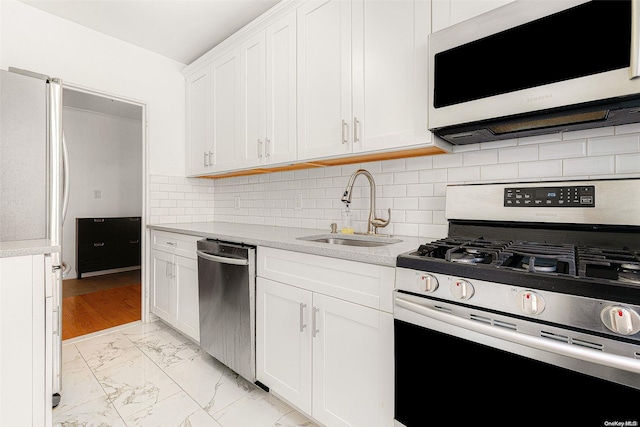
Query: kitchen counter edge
[
  {"x": 286, "y": 238},
  {"x": 27, "y": 247}
]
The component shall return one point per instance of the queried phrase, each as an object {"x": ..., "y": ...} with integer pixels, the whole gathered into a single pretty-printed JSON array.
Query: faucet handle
[
  {"x": 334, "y": 228},
  {"x": 379, "y": 222}
]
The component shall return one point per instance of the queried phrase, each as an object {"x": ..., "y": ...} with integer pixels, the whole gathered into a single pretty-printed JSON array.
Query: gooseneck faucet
[{"x": 373, "y": 222}]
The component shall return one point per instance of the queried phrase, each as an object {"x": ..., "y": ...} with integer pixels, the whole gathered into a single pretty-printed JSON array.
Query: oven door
[{"x": 458, "y": 371}]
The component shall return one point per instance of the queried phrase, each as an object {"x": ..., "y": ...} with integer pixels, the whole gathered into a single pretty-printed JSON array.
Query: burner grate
[{"x": 540, "y": 258}]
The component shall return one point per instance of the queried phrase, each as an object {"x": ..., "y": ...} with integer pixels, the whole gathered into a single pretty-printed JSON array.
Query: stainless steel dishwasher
[{"x": 227, "y": 289}]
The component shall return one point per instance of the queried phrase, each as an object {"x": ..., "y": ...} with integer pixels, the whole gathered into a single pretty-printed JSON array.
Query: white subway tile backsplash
[
  {"x": 591, "y": 166},
  {"x": 518, "y": 154},
  {"x": 619, "y": 144},
  {"x": 414, "y": 188},
  {"x": 542, "y": 169},
  {"x": 563, "y": 150},
  {"x": 482, "y": 157},
  {"x": 628, "y": 163}
]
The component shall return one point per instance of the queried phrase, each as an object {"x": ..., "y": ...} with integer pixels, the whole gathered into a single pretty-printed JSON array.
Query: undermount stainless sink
[{"x": 351, "y": 240}]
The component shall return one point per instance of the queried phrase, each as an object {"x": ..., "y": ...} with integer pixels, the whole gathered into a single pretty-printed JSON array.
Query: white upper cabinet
[
  {"x": 280, "y": 143},
  {"x": 324, "y": 78},
  {"x": 390, "y": 74},
  {"x": 362, "y": 68},
  {"x": 267, "y": 99},
  {"x": 253, "y": 103},
  {"x": 226, "y": 110},
  {"x": 199, "y": 123},
  {"x": 450, "y": 12},
  {"x": 318, "y": 80}
]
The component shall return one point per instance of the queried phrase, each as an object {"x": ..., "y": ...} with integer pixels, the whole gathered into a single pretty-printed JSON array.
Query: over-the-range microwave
[{"x": 533, "y": 67}]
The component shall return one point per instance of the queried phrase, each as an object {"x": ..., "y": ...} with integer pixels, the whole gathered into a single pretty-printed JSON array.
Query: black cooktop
[{"x": 590, "y": 271}]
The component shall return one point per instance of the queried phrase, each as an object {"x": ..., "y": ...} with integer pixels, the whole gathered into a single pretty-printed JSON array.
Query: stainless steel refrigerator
[{"x": 34, "y": 177}]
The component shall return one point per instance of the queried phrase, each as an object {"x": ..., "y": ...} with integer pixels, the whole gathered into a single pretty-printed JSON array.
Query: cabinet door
[
  {"x": 283, "y": 341},
  {"x": 187, "y": 302},
  {"x": 226, "y": 110},
  {"x": 324, "y": 78},
  {"x": 251, "y": 146},
  {"x": 352, "y": 364},
  {"x": 199, "y": 123},
  {"x": 161, "y": 297},
  {"x": 280, "y": 143},
  {"x": 450, "y": 12},
  {"x": 390, "y": 74}
]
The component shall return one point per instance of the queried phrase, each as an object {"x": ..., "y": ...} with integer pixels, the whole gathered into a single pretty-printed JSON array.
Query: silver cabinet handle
[
  {"x": 134, "y": 241},
  {"x": 171, "y": 243},
  {"x": 97, "y": 245},
  {"x": 267, "y": 148},
  {"x": 259, "y": 149},
  {"x": 302, "y": 325},
  {"x": 210, "y": 158},
  {"x": 345, "y": 131},
  {"x": 634, "y": 69},
  {"x": 166, "y": 269},
  {"x": 223, "y": 259},
  {"x": 98, "y": 220},
  {"x": 206, "y": 162},
  {"x": 356, "y": 124},
  {"x": 314, "y": 321}
]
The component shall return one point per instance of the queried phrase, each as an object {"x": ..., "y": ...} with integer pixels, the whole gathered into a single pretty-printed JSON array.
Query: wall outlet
[
  {"x": 97, "y": 194},
  {"x": 297, "y": 201},
  {"x": 236, "y": 202}
]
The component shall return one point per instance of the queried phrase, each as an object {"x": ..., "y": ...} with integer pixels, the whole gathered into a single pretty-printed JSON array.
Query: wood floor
[{"x": 96, "y": 303}]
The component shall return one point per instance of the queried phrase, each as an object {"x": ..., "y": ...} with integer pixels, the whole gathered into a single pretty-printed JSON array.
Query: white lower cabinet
[
  {"x": 174, "y": 282},
  {"x": 329, "y": 357},
  {"x": 25, "y": 341}
]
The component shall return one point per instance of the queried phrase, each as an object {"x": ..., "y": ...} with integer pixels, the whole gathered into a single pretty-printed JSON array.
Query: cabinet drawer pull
[
  {"x": 356, "y": 126},
  {"x": 302, "y": 325},
  {"x": 134, "y": 219},
  {"x": 98, "y": 219},
  {"x": 259, "y": 149},
  {"x": 98, "y": 244},
  {"x": 206, "y": 157},
  {"x": 171, "y": 243},
  {"x": 134, "y": 241},
  {"x": 345, "y": 131},
  {"x": 314, "y": 321},
  {"x": 267, "y": 147}
]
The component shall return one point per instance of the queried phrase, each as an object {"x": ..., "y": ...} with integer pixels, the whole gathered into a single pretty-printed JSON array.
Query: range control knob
[
  {"x": 531, "y": 302},
  {"x": 427, "y": 282},
  {"x": 461, "y": 289},
  {"x": 621, "y": 320}
]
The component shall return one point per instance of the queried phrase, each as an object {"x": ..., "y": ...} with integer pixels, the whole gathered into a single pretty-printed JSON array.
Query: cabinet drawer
[
  {"x": 92, "y": 230},
  {"x": 175, "y": 243},
  {"x": 370, "y": 285},
  {"x": 130, "y": 228}
]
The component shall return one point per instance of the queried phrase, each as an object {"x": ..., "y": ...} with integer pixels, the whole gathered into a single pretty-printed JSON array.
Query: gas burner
[
  {"x": 629, "y": 276},
  {"x": 468, "y": 257},
  {"x": 540, "y": 265}
]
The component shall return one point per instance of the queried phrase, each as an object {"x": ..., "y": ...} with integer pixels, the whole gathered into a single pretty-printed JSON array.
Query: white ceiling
[{"x": 182, "y": 30}]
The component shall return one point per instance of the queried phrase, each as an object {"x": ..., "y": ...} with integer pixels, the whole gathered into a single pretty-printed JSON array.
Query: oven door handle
[{"x": 589, "y": 355}]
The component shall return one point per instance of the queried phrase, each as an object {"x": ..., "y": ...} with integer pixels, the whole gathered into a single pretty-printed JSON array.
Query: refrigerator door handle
[{"x": 65, "y": 178}]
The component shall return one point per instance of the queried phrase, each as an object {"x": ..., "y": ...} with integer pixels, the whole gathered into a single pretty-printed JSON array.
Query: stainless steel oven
[{"x": 517, "y": 321}]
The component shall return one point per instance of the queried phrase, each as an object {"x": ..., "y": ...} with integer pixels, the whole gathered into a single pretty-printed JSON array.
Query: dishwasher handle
[{"x": 222, "y": 259}]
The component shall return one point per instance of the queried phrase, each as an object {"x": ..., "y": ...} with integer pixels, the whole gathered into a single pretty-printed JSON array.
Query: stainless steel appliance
[
  {"x": 34, "y": 177},
  {"x": 227, "y": 292},
  {"x": 527, "y": 68},
  {"x": 532, "y": 302}
]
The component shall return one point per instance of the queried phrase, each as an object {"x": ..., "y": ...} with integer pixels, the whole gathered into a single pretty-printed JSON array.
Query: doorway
[{"x": 105, "y": 144}]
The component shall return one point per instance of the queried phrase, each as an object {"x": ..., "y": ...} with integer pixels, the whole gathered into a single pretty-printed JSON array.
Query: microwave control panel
[{"x": 582, "y": 196}]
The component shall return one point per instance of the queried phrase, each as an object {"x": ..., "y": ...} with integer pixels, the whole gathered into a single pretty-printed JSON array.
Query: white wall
[
  {"x": 105, "y": 153},
  {"x": 35, "y": 40}
]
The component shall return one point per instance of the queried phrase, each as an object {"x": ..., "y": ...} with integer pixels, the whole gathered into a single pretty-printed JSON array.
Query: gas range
[{"x": 558, "y": 260}]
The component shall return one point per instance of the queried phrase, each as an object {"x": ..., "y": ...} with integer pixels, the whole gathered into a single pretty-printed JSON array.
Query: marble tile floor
[{"x": 147, "y": 374}]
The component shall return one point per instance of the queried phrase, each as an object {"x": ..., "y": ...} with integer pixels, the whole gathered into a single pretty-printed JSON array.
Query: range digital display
[{"x": 569, "y": 196}]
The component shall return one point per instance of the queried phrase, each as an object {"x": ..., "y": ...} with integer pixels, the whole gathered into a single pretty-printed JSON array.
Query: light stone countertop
[
  {"x": 27, "y": 247},
  {"x": 287, "y": 238}
]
